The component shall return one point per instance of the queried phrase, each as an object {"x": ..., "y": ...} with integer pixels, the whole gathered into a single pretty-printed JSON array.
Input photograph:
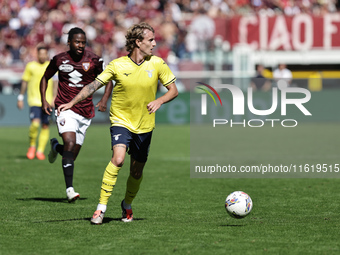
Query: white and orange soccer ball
[{"x": 238, "y": 204}]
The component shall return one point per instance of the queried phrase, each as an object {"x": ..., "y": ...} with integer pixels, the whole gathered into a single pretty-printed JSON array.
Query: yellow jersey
[
  {"x": 136, "y": 86},
  {"x": 33, "y": 73}
]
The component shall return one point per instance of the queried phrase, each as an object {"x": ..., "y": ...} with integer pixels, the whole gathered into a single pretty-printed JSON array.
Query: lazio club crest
[{"x": 150, "y": 72}]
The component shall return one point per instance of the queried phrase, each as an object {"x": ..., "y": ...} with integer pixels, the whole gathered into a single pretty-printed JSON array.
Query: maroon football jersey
[{"x": 73, "y": 76}]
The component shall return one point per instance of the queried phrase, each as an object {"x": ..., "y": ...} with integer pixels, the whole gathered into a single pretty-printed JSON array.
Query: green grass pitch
[{"x": 175, "y": 214}]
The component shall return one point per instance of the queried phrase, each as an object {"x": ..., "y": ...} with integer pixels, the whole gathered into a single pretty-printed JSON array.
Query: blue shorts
[
  {"x": 137, "y": 145},
  {"x": 37, "y": 113}
]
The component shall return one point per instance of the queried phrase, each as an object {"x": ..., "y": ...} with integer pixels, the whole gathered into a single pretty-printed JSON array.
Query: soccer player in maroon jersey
[{"x": 76, "y": 68}]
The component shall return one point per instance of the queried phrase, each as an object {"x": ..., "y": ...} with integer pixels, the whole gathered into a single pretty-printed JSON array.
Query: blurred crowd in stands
[{"x": 180, "y": 24}]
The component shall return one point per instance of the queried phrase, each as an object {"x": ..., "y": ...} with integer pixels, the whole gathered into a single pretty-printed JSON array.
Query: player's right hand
[
  {"x": 46, "y": 107},
  {"x": 20, "y": 104}
]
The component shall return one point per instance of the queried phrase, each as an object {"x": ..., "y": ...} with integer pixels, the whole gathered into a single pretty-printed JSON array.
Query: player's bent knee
[
  {"x": 69, "y": 145},
  {"x": 118, "y": 161}
]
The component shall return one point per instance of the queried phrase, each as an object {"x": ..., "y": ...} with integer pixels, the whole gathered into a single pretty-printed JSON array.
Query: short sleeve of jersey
[
  {"x": 27, "y": 73},
  {"x": 107, "y": 75},
  {"x": 51, "y": 69},
  {"x": 165, "y": 75},
  {"x": 99, "y": 63}
]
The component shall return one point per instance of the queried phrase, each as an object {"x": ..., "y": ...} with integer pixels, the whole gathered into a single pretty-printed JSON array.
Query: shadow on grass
[
  {"x": 231, "y": 225},
  {"x": 45, "y": 199},
  {"x": 106, "y": 220},
  {"x": 20, "y": 157}
]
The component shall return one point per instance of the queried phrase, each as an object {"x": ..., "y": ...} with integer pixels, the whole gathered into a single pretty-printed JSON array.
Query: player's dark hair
[
  {"x": 74, "y": 31},
  {"x": 42, "y": 47},
  {"x": 136, "y": 32}
]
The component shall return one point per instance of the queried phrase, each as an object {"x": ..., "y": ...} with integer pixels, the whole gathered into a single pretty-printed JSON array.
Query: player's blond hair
[{"x": 136, "y": 32}]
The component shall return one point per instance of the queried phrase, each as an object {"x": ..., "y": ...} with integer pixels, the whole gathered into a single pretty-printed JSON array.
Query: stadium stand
[{"x": 24, "y": 24}]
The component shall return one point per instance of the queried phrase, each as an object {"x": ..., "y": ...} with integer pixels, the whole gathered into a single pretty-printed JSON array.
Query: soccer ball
[{"x": 238, "y": 204}]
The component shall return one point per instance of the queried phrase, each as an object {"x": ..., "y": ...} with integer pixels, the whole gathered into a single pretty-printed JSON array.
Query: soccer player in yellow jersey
[
  {"x": 132, "y": 112},
  {"x": 31, "y": 81}
]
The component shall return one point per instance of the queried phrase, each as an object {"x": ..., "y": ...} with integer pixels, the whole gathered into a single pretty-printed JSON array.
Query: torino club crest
[{"x": 86, "y": 66}]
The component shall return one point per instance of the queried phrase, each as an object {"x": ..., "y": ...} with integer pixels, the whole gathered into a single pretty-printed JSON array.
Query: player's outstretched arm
[
  {"x": 55, "y": 91},
  {"x": 23, "y": 88},
  {"x": 102, "y": 104},
  {"x": 167, "y": 97},
  {"x": 83, "y": 94},
  {"x": 46, "y": 107}
]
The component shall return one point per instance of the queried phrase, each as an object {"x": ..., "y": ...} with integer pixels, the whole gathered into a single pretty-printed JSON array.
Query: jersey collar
[{"x": 147, "y": 58}]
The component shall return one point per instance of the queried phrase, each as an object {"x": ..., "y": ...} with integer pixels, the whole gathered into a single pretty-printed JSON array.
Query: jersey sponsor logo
[
  {"x": 150, "y": 72},
  {"x": 75, "y": 78},
  {"x": 66, "y": 68},
  {"x": 117, "y": 136},
  {"x": 127, "y": 74},
  {"x": 65, "y": 61},
  {"x": 86, "y": 66}
]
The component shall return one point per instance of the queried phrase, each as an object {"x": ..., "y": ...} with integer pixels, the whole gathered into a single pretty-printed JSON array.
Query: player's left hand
[
  {"x": 154, "y": 106},
  {"x": 101, "y": 106},
  {"x": 64, "y": 107}
]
